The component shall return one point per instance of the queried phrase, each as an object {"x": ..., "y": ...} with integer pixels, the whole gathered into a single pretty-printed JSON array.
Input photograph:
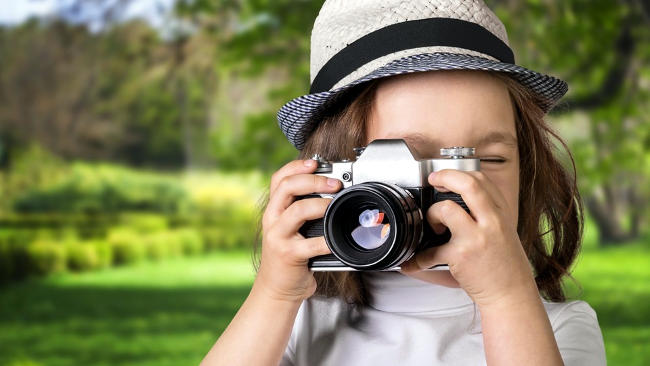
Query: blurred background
[{"x": 137, "y": 137}]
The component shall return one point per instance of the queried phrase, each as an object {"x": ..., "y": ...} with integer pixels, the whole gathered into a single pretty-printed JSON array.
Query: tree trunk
[{"x": 607, "y": 213}]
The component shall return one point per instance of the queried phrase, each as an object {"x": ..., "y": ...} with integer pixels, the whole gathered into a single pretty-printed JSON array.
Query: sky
[{"x": 14, "y": 12}]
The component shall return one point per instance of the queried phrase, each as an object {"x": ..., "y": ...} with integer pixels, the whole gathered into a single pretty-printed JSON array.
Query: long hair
[{"x": 550, "y": 208}]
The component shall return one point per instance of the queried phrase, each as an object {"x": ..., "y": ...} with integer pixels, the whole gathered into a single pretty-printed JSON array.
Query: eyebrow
[{"x": 495, "y": 137}]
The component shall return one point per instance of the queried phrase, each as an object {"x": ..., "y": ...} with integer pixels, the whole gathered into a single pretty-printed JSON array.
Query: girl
[{"x": 383, "y": 69}]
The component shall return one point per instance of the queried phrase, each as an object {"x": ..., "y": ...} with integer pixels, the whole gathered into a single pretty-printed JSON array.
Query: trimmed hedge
[
  {"x": 127, "y": 247},
  {"x": 96, "y": 215},
  {"x": 104, "y": 189},
  {"x": 82, "y": 257},
  {"x": 46, "y": 257}
]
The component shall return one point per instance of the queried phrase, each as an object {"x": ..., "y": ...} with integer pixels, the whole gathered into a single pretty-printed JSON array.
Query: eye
[{"x": 492, "y": 159}]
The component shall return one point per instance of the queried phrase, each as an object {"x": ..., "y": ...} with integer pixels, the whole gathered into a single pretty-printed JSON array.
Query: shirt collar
[{"x": 395, "y": 292}]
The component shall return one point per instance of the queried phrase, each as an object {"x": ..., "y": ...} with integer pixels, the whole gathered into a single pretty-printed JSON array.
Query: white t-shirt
[{"x": 412, "y": 322}]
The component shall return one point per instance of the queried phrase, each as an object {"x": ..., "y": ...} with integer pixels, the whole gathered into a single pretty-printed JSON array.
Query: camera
[{"x": 376, "y": 221}]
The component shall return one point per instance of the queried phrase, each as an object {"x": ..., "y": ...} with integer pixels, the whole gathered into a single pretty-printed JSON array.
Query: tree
[{"x": 600, "y": 46}]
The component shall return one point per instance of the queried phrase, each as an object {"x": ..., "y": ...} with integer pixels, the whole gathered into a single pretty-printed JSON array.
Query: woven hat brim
[{"x": 296, "y": 120}]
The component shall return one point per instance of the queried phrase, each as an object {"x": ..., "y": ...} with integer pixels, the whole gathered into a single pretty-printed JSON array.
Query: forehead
[{"x": 450, "y": 107}]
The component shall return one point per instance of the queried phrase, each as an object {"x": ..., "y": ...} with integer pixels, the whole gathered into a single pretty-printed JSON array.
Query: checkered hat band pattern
[{"x": 294, "y": 118}]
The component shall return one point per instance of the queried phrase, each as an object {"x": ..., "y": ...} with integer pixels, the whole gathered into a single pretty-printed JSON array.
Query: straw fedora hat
[{"x": 357, "y": 41}]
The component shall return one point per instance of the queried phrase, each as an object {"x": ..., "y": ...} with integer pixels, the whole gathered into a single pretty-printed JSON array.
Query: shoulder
[
  {"x": 561, "y": 312},
  {"x": 577, "y": 332},
  {"x": 316, "y": 319},
  {"x": 314, "y": 328},
  {"x": 318, "y": 312}
]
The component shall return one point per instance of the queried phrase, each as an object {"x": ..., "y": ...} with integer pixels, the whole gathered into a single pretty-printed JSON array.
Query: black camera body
[{"x": 376, "y": 221}]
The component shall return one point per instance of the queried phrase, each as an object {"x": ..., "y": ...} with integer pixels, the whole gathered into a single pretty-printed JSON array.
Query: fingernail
[
  {"x": 310, "y": 163},
  {"x": 332, "y": 182}
]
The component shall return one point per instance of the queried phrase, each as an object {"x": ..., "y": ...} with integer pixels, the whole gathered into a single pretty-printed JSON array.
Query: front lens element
[
  {"x": 372, "y": 225},
  {"x": 373, "y": 229}
]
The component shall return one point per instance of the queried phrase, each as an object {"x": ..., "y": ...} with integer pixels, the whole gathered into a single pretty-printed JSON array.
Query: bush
[
  {"x": 104, "y": 253},
  {"x": 46, "y": 257},
  {"x": 6, "y": 262},
  {"x": 100, "y": 189},
  {"x": 211, "y": 238},
  {"x": 81, "y": 257},
  {"x": 126, "y": 246},
  {"x": 190, "y": 241},
  {"x": 157, "y": 246},
  {"x": 144, "y": 222}
]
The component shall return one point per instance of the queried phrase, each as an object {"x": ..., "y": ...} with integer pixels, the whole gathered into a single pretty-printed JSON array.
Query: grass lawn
[
  {"x": 615, "y": 281},
  {"x": 166, "y": 313},
  {"x": 170, "y": 313}
]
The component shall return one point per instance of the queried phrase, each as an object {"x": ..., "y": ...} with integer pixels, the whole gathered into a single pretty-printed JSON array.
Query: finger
[
  {"x": 497, "y": 197},
  {"x": 311, "y": 247},
  {"x": 300, "y": 211},
  {"x": 428, "y": 258},
  {"x": 469, "y": 187},
  {"x": 438, "y": 228},
  {"x": 450, "y": 215},
  {"x": 291, "y": 168},
  {"x": 297, "y": 185}
]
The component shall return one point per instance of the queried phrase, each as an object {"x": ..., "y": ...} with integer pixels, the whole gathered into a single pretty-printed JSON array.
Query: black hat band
[{"x": 431, "y": 32}]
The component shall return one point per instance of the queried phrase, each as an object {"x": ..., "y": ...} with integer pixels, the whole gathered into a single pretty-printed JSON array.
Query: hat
[{"x": 357, "y": 41}]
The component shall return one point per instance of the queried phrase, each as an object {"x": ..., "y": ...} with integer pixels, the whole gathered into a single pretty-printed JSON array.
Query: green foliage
[
  {"x": 213, "y": 211},
  {"x": 31, "y": 167},
  {"x": 81, "y": 256},
  {"x": 103, "y": 251},
  {"x": 259, "y": 144},
  {"x": 190, "y": 241},
  {"x": 159, "y": 247},
  {"x": 126, "y": 246},
  {"x": 144, "y": 222},
  {"x": 104, "y": 189},
  {"x": 6, "y": 262},
  {"x": 45, "y": 257}
]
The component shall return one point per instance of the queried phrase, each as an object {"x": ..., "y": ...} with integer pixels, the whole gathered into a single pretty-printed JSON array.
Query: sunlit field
[{"x": 170, "y": 312}]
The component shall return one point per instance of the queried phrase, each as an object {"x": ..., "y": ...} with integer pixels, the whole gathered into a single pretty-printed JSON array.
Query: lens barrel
[{"x": 373, "y": 226}]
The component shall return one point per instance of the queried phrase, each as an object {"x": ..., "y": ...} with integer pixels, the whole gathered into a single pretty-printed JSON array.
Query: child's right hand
[{"x": 283, "y": 272}]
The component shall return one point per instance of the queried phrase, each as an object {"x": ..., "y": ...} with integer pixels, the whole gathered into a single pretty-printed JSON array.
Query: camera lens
[
  {"x": 373, "y": 229},
  {"x": 373, "y": 225}
]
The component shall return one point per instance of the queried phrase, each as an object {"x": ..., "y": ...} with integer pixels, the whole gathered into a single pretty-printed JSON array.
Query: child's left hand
[{"x": 484, "y": 253}]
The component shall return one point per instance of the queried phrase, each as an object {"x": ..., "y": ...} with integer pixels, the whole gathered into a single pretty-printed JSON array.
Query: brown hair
[{"x": 550, "y": 209}]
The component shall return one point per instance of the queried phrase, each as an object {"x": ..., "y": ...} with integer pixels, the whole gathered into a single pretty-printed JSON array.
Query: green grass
[
  {"x": 167, "y": 313},
  {"x": 615, "y": 281},
  {"x": 170, "y": 313}
]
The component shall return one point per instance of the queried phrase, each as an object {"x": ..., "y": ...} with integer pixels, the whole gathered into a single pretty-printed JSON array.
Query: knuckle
[
  {"x": 300, "y": 208},
  {"x": 265, "y": 219},
  {"x": 446, "y": 207},
  {"x": 276, "y": 177},
  {"x": 472, "y": 185},
  {"x": 492, "y": 223},
  {"x": 463, "y": 253},
  {"x": 270, "y": 240},
  {"x": 481, "y": 241},
  {"x": 284, "y": 250},
  {"x": 479, "y": 175},
  {"x": 316, "y": 182},
  {"x": 284, "y": 183}
]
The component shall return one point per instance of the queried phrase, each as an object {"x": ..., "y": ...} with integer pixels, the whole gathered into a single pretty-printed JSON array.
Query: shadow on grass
[{"x": 52, "y": 325}]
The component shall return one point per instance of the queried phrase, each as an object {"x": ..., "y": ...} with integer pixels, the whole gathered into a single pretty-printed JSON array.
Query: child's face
[{"x": 432, "y": 110}]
